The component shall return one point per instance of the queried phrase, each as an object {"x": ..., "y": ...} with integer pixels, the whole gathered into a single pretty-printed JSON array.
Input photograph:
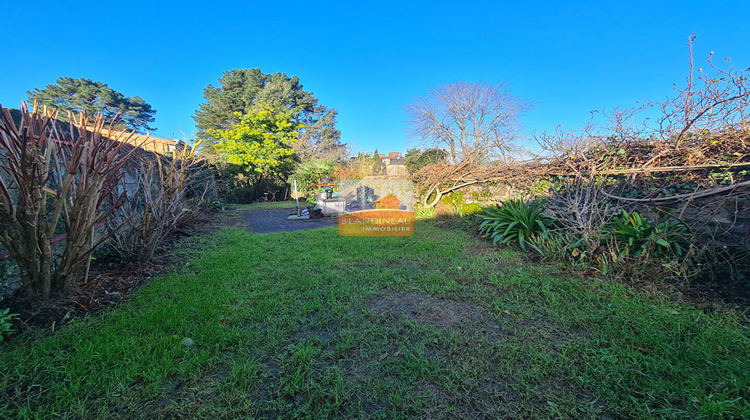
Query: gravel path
[{"x": 269, "y": 221}]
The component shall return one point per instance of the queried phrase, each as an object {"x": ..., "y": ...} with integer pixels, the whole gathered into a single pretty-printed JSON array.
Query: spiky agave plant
[{"x": 515, "y": 220}]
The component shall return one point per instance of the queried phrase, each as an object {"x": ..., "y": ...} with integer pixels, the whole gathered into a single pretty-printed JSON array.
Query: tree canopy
[
  {"x": 260, "y": 143},
  {"x": 239, "y": 90},
  {"x": 90, "y": 97},
  {"x": 416, "y": 159},
  {"x": 472, "y": 121}
]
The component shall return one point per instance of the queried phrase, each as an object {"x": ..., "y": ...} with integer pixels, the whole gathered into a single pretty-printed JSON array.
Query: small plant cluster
[
  {"x": 6, "y": 323},
  {"x": 457, "y": 201},
  {"x": 310, "y": 173},
  {"x": 634, "y": 238},
  {"x": 620, "y": 242},
  {"x": 515, "y": 221}
]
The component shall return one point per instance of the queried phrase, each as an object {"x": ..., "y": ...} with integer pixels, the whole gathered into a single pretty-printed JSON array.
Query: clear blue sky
[{"x": 369, "y": 59}]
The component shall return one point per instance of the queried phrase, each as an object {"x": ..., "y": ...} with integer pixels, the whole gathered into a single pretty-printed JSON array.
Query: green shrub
[
  {"x": 516, "y": 220},
  {"x": 631, "y": 232},
  {"x": 6, "y": 323},
  {"x": 309, "y": 174},
  {"x": 218, "y": 204},
  {"x": 423, "y": 213},
  {"x": 466, "y": 209},
  {"x": 671, "y": 237},
  {"x": 636, "y": 236},
  {"x": 461, "y": 208},
  {"x": 561, "y": 245}
]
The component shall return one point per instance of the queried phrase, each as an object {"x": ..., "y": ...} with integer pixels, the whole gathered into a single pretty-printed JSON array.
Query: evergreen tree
[
  {"x": 87, "y": 96},
  {"x": 377, "y": 167},
  {"x": 241, "y": 89}
]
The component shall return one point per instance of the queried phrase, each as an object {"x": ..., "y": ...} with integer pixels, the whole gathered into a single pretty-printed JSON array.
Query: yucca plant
[
  {"x": 52, "y": 180},
  {"x": 310, "y": 173},
  {"x": 515, "y": 220}
]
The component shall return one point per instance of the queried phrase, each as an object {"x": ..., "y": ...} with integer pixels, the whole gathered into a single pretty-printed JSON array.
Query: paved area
[{"x": 269, "y": 221}]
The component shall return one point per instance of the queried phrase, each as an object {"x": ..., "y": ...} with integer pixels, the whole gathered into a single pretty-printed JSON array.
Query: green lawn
[{"x": 438, "y": 325}]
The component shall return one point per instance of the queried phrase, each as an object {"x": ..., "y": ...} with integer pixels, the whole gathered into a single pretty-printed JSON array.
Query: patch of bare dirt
[
  {"x": 436, "y": 312},
  {"x": 228, "y": 218}
]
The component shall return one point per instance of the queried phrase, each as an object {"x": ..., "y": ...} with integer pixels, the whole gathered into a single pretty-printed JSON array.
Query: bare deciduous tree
[
  {"x": 473, "y": 121},
  {"x": 717, "y": 100}
]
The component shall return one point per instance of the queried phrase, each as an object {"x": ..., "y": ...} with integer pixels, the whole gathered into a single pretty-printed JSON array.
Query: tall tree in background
[
  {"x": 89, "y": 97},
  {"x": 321, "y": 140},
  {"x": 377, "y": 166},
  {"x": 474, "y": 122},
  {"x": 241, "y": 89},
  {"x": 259, "y": 145}
]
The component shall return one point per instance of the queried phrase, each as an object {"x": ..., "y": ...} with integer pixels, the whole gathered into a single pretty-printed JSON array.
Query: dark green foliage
[
  {"x": 515, "y": 220},
  {"x": 6, "y": 323},
  {"x": 319, "y": 139},
  {"x": 241, "y": 89},
  {"x": 631, "y": 232},
  {"x": 377, "y": 166},
  {"x": 311, "y": 173},
  {"x": 87, "y": 96},
  {"x": 416, "y": 159},
  {"x": 637, "y": 236}
]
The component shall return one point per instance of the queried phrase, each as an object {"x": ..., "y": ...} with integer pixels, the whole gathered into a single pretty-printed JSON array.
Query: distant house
[{"x": 394, "y": 164}]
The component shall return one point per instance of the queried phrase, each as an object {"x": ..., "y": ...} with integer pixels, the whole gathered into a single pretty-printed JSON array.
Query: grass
[{"x": 438, "y": 325}]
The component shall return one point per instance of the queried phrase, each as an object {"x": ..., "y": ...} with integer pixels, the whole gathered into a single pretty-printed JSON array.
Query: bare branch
[{"x": 473, "y": 121}]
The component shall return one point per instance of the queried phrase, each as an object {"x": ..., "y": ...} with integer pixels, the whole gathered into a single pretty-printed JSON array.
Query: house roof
[{"x": 143, "y": 141}]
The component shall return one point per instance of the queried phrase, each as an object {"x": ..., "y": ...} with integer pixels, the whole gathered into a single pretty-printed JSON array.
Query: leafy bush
[
  {"x": 638, "y": 248},
  {"x": 631, "y": 233},
  {"x": 457, "y": 201},
  {"x": 638, "y": 237},
  {"x": 516, "y": 220},
  {"x": 311, "y": 173},
  {"x": 218, "y": 204},
  {"x": 6, "y": 323},
  {"x": 424, "y": 213},
  {"x": 466, "y": 209},
  {"x": 416, "y": 159}
]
